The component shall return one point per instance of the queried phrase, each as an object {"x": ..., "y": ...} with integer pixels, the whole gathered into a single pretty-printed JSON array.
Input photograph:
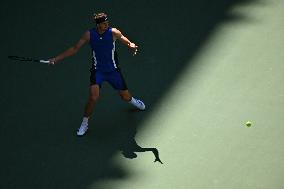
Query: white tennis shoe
[
  {"x": 82, "y": 130},
  {"x": 138, "y": 104}
]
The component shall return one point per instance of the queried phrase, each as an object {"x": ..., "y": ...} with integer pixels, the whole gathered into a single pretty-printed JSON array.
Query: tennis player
[{"x": 105, "y": 65}]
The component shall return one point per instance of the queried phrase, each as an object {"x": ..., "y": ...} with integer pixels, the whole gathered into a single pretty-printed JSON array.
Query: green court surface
[{"x": 202, "y": 77}]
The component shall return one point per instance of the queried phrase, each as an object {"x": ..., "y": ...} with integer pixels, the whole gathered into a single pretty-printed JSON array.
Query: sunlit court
[{"x": 210, "y": 75}]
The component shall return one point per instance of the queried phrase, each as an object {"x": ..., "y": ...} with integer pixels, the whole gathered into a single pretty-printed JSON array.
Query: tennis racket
[{"x": 26, "y": 59}]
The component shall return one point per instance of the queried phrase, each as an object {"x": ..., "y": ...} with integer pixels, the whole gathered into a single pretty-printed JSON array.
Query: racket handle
[{"x": 44, "y": 61}]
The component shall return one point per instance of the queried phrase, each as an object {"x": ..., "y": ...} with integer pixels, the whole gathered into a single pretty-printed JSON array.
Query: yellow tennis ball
[{"x": 248, "y": 123}]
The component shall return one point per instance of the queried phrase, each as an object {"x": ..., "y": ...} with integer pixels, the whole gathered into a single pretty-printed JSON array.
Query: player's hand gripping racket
[{"x": 26, "y": 59}]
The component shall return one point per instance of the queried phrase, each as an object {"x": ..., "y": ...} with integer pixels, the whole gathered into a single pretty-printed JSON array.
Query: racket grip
[{"x": 44, "y": 61}]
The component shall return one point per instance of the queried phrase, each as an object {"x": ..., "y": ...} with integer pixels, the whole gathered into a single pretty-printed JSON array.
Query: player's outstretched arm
[
  {"x": 72, "y": 50},
  {"x": 118, "y": 35}
]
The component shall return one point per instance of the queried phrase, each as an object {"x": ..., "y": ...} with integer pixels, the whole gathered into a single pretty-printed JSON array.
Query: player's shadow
[
  {"x": 129, "y": 147},
  {"x": 119, "y": 133}
]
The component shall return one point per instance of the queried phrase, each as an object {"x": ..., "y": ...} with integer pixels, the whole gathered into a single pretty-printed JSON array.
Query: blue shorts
[{"x": 114, "y": 78}]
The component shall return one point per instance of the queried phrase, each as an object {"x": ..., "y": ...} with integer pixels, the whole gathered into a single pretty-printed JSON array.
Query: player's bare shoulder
[{"x": 116, "y": 33}]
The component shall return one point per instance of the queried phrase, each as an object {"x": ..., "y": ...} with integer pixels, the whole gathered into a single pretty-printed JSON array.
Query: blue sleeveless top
[{"x": 104, "y": 55}]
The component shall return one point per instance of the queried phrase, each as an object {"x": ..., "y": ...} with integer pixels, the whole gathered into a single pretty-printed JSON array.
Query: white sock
[{"x": 85, "y": 120}]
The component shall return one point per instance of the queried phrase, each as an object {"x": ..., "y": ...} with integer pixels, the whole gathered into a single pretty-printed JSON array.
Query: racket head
[{"x": 20, "y": 58}]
